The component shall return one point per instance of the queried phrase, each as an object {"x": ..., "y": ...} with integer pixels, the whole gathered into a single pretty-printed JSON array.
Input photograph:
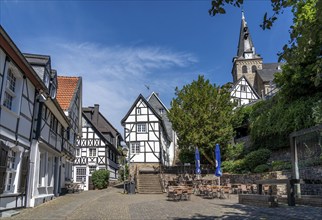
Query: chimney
[{"x": 95, "y": 113}]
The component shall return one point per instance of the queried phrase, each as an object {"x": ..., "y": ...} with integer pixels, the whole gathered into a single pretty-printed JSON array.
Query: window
[
  {"x": 80, "y": 174},
  {"x": 141, "y": 128},
  {"x": 11, "y": 171},
  {"x": 92, "y": 152},
  {"x": 161, "y": 110},
  {"x": 92, "y": 169},
  {"x": 50, "y": 171},
  {"x": 244, "y": 69},
  {"x": 11, "y": 81},
  {"x": 53, "y": 123},
  {"x": 138, "y": 111},
  {"x": 77, "y": 152},
  {"x": 135, "y": 148},
  {"x": 254, "y": 68},
  {"x": 243, "y": 88},
  {"x": 13, "y": 86},
  {"x": 42, "y": 169}
]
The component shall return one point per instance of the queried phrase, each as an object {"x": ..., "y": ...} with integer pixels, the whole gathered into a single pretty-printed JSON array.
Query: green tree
[
  {"x": 302, "y": 73},
  {"x": 201, "y": 114}
]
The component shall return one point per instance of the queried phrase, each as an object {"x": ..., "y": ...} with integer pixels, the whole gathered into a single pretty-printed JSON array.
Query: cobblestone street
[{"x": 112, "y": 204}]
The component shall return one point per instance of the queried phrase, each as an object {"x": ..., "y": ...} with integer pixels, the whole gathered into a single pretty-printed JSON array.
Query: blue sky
[{"x": 119, "y": 47}]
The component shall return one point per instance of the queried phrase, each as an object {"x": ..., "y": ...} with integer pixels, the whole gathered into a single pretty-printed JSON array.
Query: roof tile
[{"x": 66, "y": 89}]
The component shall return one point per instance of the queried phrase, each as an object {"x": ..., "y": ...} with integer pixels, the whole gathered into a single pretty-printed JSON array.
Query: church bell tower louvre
[{"x": 247, "y": 62}]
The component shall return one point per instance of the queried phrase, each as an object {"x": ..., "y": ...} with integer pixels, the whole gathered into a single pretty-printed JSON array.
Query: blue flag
[
  {"x": 197, "y": 157},
  {"x": 218, "y": 161}
]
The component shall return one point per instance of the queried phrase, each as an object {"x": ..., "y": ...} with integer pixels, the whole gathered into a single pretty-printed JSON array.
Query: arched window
[
  {"x": 244, "y": 69},
  {"x": 254, "y": 68}
]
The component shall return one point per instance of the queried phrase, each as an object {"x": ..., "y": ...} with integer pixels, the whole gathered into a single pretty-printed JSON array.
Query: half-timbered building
[
  {"x": 69, "y": 96},
  {"x": 96, "y": 148},
  {"x": 20, "y": 89},
  {"x": 145, "y": 132},
  {"x": 50, "y": 139},
  {"x": 243, "y": 93}
]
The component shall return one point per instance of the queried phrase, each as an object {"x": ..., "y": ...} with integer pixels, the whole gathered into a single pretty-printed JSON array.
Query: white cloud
[{"x": 114, "y": 76}]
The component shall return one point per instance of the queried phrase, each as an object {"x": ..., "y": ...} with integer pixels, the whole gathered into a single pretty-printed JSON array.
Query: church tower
[{"x": 247, "y": 62}]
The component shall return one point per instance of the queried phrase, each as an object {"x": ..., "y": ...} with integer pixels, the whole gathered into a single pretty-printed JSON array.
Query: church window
[
  {"x": 254, "y": 68},
  {"x": 244, "y": 69}
]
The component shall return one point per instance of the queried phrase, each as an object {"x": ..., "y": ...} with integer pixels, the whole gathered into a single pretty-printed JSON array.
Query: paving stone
[{"x": 112, "y": 204}]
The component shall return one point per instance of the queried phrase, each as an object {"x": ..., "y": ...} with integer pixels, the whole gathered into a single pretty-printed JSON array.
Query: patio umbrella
[
  {"x": 218, "y": 161},
  {"x": 197, "y": 158}
]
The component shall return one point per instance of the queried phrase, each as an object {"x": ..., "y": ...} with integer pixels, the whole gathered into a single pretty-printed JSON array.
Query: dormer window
[
  {"x": 46, "y": 79},
  {"x": 161, "y": 110}
]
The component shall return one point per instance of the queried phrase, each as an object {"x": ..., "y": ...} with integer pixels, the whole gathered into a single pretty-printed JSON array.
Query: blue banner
[
  {"x": 197, "y": 157},
  {"x": 218, "y": 161}
]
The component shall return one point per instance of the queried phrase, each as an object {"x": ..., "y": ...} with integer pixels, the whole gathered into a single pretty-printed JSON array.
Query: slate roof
[
  {"x": 67, "y": 87},
  {"x": 268, "y": 71},
  {"x": 157, "y": 104},
  {"x": 102, "y": 125}
]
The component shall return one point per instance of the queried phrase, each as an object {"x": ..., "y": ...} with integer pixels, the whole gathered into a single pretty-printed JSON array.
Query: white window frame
[
  {"x": 135, "y": 148},
  {"x": 81, "y": 174},
  {"x": 12, "y": 90},
  {"x": 42, "y": 169},
  {"x": 11, "y": 171},
  {"x": 141, "y": 128},
  {"x": 138, "y": 111},
  {"x": 92, "y": 152}
]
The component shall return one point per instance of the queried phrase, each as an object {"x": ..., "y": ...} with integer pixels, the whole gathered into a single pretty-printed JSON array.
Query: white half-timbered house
[
  {"x": 163, "y": 111},
  {"x": 50, "y": 143},
  {"x": 69, "y": 96},
  {"x": 20, "y": 88},
  {"x": 146, "y": 135},
  {"x": 97, "y": 148},
  {"x": 243, "y": 93}
]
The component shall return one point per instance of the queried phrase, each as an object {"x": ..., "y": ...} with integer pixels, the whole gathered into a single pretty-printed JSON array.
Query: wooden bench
[{"x": 258, "y": 200}]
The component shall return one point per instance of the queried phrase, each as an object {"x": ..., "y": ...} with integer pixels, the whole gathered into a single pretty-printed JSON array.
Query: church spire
[{"x": 246, "y": 47}]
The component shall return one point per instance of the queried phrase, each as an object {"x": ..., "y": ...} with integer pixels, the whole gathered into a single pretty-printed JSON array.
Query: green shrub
[
  {"x": 281, "y": 165},
  {"x": 236, "y": 166},
  {"x": 255, "y": 158},
  {"x": 261, "y": 168},
  {"x": 235, "y": 151},
  {"x": 100, "y": 178}
]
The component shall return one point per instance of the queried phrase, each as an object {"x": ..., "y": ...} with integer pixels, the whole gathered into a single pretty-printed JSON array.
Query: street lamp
[{"x": 125, "y": 149}]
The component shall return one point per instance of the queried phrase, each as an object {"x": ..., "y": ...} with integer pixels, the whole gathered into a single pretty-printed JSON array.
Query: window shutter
[
  {"x": 3, "y": 165},
  {"x": 23, "y": 173}
]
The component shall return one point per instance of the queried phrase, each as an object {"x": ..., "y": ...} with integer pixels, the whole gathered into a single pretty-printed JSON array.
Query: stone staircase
[{"x": 149, "y": 183}]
